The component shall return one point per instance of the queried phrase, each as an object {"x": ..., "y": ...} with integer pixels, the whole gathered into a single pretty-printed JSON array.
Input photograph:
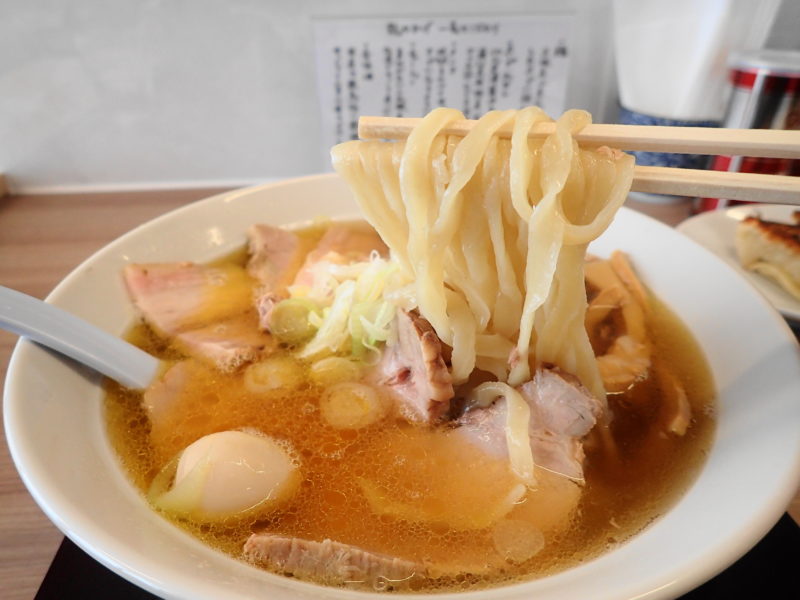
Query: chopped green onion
[{"x": 291, "y": 321}]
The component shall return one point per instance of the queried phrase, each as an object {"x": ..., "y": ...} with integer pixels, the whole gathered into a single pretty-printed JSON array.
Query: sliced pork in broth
[
  {"x": 412, "y": 370},
  {"x": 206, "y": 310},
  {"x": 328, "y": 561},
  {"x": 562, "y": 412}
]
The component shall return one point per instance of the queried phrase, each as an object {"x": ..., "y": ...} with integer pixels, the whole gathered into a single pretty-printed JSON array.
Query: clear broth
[{"x": 623, "y": 493}]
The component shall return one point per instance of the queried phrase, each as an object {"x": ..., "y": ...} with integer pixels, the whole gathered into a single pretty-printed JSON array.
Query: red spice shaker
[{"x": 766, "y": 95}]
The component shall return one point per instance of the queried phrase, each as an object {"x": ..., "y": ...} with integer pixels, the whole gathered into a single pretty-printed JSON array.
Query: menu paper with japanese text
[{"x": 404, "y": 67}]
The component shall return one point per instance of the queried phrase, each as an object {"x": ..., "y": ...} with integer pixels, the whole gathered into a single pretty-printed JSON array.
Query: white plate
[
  {"x": 56, "y": 433},
  {"x": 716, "y": 229}
]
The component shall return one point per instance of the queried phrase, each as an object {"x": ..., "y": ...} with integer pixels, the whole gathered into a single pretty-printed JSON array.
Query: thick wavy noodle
[{"x": 491, "y": 234}]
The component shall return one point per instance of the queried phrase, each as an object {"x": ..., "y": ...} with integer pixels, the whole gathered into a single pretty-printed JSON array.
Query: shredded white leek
[
  {"x": 360, "y": 309},
  {"x": 333, "y": 331}
]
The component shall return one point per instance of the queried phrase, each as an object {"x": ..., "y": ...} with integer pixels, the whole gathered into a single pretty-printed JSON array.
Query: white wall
[{"x": 114, "y": 93}]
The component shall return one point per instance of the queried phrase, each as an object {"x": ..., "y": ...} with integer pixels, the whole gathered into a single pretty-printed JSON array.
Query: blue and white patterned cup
[{"x": 664, "y": 159}]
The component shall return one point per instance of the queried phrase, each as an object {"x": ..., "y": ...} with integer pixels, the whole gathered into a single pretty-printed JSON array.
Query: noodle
[{"x": 491, "y": 235}]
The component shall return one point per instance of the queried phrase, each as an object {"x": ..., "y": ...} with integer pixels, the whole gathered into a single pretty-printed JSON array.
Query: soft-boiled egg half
[{"x": 228, "y": 473}]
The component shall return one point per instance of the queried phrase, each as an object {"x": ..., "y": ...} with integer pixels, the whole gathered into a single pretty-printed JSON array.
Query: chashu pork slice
[
  {"x": 771, "y": 249},
  {"x": 328, "y": 561},
  {"x": 280, "y": 259},
  {"x": 412, "y": 371},
  {"x": 275, "y": 256},
  {"x": 562, "y": 412},
  {"x": 341, "y": 244},
  {"x": 206, "y": 310}
]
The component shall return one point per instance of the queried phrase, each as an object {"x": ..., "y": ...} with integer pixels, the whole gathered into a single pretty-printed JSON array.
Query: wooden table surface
[{"x": 42, "y": 238}]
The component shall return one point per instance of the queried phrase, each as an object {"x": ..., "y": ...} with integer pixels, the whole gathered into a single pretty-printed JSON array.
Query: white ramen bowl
[{"x": 57, "y": 436}]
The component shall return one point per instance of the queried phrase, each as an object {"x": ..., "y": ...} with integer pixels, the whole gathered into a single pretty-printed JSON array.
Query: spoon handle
[{"x": 65, "y": 333}]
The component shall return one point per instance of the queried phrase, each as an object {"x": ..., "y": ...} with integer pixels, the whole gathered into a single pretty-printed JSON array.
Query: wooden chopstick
[
  {"x": 752, "y": 187},
  {"x": 696, "y": 183},
  {"x": 768, "y": 143}
]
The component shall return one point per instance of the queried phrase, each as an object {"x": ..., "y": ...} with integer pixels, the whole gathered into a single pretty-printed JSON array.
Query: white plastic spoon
[{"x": 69, "y": 335}]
